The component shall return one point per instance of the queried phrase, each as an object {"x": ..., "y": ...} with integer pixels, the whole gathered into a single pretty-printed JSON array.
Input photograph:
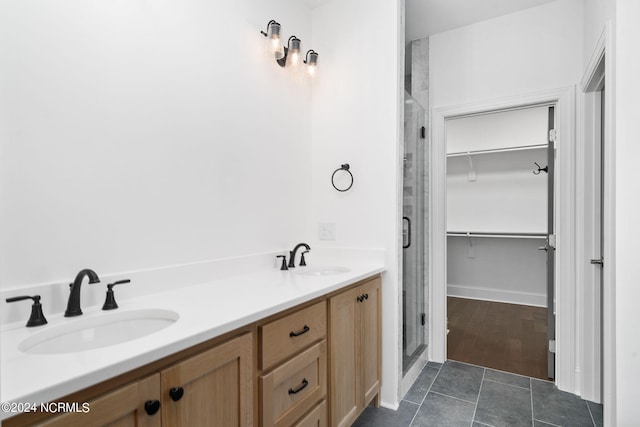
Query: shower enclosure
[{"x": 414, "y": 208}]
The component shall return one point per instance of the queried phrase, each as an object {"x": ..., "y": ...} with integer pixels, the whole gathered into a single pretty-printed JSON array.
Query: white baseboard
[
  {"x": 391, "y": 406},
  {"x": 497, "y": 295}
]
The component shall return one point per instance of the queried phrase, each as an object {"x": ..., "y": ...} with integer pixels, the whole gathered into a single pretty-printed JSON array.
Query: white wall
[
  {"x": 497, "y": 269},
  {"x": 532, "y": 54},
  {"x": 536, "y": 49},
  {"x": 498, "y": 193},
  {"x": 139, "y": 134},
  {"x": 627, "y": 206},
  {"x": 356, "y": 120},
  {"x": 596, "y": 13}
]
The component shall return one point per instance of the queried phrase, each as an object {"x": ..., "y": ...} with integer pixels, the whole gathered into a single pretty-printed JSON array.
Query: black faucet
[
  {"x": 292, "y": 254},
  {"x": 73, "y": 306}
]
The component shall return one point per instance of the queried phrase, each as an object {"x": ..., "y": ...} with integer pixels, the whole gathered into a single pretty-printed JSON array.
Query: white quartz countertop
[{"x": 205, "y": 311}]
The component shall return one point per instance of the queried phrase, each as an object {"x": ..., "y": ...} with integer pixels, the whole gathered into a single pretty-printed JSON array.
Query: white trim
[
  {"x": 392, "y": 406},
  {"x": 497, "y": 295},
  {"x": 412, "y": 374},
  {"x": 564, "y": 98},
  {"x": 388, "y": 399},
  {"x": 594, "y": 76}
]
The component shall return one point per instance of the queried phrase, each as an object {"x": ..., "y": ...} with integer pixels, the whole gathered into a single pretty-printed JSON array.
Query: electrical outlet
[{"x": 327, "y": 231}]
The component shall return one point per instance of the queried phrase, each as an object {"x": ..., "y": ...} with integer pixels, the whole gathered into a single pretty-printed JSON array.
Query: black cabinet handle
[
  {"x": 300, "y": 388},
  {"x": 359, "y": 298},
  {"x": 366, "y": 296},
  {"x": 176, "y": 393},
  {"x": 151, "y": 406},
  {"x": 304, "y": 330}
]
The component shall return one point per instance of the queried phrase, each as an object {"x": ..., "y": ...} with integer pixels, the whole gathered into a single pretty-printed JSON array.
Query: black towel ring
[{"x": 345, "y": 168}]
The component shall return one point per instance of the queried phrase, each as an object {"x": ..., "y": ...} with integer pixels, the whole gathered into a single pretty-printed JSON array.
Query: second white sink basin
[
  {"x": 321, "y": 270},
  {"x": 98, "y": 331}
]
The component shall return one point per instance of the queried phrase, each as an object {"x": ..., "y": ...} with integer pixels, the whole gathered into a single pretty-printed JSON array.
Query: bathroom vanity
[{"x": 304, "y": 351}]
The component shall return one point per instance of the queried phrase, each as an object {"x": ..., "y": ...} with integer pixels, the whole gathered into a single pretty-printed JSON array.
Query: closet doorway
[{"x": 500, "y": 240}]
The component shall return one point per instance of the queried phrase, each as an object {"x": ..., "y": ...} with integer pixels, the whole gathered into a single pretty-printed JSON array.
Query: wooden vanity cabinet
[
  {"x": 211, "y": 389},
  {"x": 123, "y": 407},
  {"x": 354, "y": 351}
]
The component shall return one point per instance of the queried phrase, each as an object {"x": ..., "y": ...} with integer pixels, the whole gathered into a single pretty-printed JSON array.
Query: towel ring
[{"x": 345, "y": 168}]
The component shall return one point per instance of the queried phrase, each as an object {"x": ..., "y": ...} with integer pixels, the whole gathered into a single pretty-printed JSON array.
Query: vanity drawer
[
  {"x": 284, "y": 337},
  {"x": 290, "y": 390},
  {"x": 316, "y": 418}
]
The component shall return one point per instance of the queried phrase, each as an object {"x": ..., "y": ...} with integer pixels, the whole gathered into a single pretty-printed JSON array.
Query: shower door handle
[{"x": 408, "y": 232}]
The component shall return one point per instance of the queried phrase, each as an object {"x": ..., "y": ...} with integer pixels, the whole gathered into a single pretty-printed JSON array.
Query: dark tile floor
[{"x": 458, "y": 394}]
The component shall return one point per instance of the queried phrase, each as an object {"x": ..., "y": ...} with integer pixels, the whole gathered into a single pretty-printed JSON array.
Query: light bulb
[
  {"x": 311, "y": 70},
  {"x": 312, "y": 62},
  {"x": 294, "y": 56}
]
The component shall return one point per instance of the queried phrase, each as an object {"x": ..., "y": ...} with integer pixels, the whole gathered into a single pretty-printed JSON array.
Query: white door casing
[{"x": 567, "y": 329}]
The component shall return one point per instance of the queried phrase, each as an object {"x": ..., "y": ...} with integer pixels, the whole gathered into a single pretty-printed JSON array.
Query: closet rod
[
  {"x": 497, "y": 150},
  {"x": 502, "y": 235}
]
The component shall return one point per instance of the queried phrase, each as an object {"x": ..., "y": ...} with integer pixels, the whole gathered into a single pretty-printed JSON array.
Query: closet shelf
[
  {"x": 498, "y": 235},
  {"x": 497, "y": 150}
]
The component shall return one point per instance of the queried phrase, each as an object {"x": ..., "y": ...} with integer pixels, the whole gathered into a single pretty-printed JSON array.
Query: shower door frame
[
  {"x": 566, "y": 333},
  {"x": 418, "y": 236}
]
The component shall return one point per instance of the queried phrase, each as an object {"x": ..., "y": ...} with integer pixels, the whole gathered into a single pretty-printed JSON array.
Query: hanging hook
[{"x": 540, "y": 169}]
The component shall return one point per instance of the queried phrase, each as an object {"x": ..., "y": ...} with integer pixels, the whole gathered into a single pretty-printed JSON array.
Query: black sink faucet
[
  {"x": 73, "y": 306},
  {"x": 292, "y": 254}
]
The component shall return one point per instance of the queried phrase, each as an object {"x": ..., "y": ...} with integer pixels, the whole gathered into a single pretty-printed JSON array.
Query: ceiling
[
  {"x": 315, "y": 3},
  {"x": 427, "y": 17}
]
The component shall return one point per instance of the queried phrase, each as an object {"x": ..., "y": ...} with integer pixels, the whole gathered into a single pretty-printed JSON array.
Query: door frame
[
  {"x": 566, "y": 325},
  {"x": 598, "y": 72}
]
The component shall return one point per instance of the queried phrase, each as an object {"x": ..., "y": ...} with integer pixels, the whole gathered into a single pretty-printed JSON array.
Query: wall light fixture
[
  {"x": 273, "y": 45},
  {"x": 291, "y": 55},
  {"x": 311, "y": 60}
]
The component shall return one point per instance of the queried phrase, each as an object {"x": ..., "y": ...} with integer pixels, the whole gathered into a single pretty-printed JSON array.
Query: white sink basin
[
  {"x": 98, "y": 331},
  {"x": 321, "y": 270}
]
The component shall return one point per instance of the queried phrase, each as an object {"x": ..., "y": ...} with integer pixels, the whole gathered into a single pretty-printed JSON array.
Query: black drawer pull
[
  {"x": 176, "y": 393},
  {"x": 304, "y": 330},
  {"x": 366, "y": 296},
  {"x": 299, "y": 389},
  {"x": 151, "y": 406}
]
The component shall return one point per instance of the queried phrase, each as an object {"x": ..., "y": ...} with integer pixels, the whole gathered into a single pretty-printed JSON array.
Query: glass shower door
[{"x": 414, "y": 322}]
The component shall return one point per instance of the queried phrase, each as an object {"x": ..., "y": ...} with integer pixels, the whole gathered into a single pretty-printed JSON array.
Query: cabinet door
[
  {"x": 211, "y": 389},
  {"x": 370, "y": 347},
  {"x": 123, "y": 407},
  {"x": 344, "y": 366},
  {"x": 316, "y": 418}
]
